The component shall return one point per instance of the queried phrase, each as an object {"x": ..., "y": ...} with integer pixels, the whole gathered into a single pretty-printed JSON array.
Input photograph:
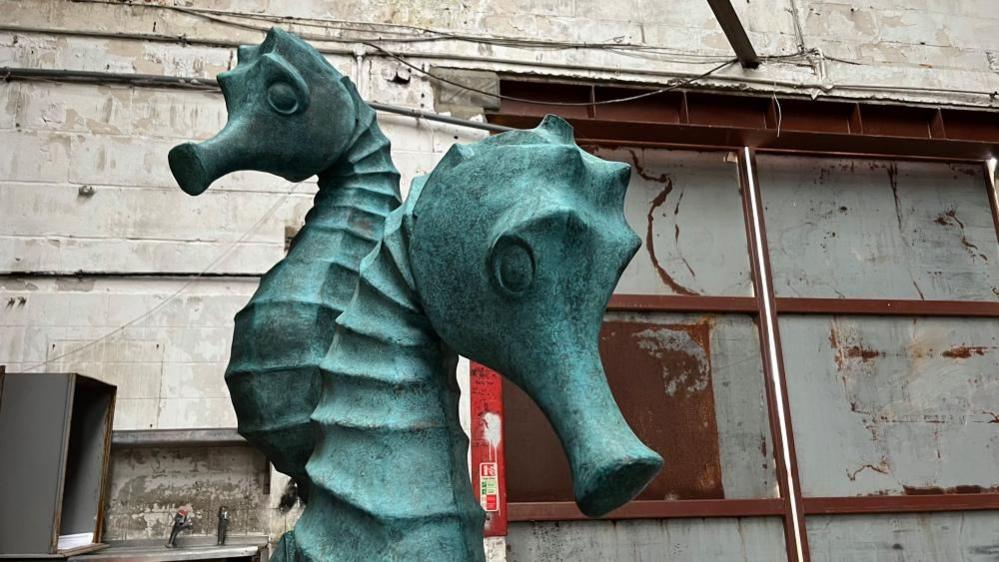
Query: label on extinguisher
[{"x": 489, "y": 486}]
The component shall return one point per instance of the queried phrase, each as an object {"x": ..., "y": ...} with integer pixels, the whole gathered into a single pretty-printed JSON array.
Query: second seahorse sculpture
[
  {"x": 292, "y": 114},
  {"x": 508, "y": 254}
]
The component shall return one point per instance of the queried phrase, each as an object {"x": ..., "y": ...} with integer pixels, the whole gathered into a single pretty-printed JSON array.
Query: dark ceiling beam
[{"x": 735, "y": 32}]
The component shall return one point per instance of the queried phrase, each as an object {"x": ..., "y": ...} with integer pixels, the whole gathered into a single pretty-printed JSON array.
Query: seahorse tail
[{"x": 286, "y": 549}]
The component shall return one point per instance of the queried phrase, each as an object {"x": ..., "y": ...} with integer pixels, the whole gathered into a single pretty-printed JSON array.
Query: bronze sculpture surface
[{"x": 523, "y": 230}]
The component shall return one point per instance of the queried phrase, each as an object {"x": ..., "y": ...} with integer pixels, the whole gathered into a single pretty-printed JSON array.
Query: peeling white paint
[{"x": 492, "y": 429}]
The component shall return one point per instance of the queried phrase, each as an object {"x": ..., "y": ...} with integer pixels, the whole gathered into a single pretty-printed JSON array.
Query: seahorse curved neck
[
  {"x": 389, "y": 473},
  {"x": 283, "y": 333}
]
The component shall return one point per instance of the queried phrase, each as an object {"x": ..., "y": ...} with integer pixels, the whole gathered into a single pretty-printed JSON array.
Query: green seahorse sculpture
[
  {"x": 507, "y": 253},
  {"x": 292, "y": 114}
]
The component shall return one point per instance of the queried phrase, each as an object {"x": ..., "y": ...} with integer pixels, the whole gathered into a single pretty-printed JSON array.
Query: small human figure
[
  {"x": 223, "y": 526},
  {"x": 182, "y": 521}
]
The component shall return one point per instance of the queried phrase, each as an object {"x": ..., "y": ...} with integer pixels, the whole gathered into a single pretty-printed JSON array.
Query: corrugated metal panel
[
  {"x": 686, "y": 207},
  {"x": 894, "y": 405},
  {"x": 924, "y": 537},
  {"x": 879, "y": 229},
  {"x": 676, "y": 540}
]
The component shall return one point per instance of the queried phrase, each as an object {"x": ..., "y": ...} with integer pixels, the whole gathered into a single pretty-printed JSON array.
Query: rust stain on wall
[
  {"x": 937, "y": 490},
  {"x": 949, "y": 218},
  {"x": 964, "y": 351},
  {"x": 893, "y": 182},
  {"x": 657, "y": 202},
  {"x": 862, "y": 353},
  {"x": 843, "y": 352},
  {"x": 881, "y": 468}
]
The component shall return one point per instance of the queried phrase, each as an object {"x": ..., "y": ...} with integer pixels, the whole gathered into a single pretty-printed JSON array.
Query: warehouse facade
[{"x": 814, "y": 304}]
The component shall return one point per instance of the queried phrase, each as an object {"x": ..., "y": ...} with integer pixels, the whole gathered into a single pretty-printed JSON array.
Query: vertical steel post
[{"x": 776, "y": 385}]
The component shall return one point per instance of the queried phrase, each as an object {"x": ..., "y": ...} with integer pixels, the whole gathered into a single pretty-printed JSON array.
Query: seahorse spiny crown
[{"x": 510, "y": 223}]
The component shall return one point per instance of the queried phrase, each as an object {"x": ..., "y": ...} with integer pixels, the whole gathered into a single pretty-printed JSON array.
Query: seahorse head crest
[
  {"x": 516, "y": 244},
  {"x": 291, "y": 113}
]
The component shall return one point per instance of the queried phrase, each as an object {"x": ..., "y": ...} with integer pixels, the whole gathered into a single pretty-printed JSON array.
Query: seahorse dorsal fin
[
  {"x": 457, "y": 154},
  {"x": 556, "y": 129},
  {"x": 612, "y": 181}
]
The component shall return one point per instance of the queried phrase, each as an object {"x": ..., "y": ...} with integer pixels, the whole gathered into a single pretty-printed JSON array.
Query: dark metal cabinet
[{"x": 55, "y": 437}]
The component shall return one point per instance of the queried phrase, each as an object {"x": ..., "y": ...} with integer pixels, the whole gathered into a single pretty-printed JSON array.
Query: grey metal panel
[
  {"x": 893, "y": 405},
  {"x": 736, "y": 370},
  {"x": 688, "y": 203},
  {"x": 86, "y": 457},
  {"x": 915, "y": 537},
  {"x": 747, "y": 452},
  {"x": 675, "y": 540},
  {"x": 879, "y": 229},
  {"x": 33, "y": 433}
]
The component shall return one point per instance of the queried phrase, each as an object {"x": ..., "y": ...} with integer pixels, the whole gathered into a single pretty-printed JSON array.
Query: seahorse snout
[
  {"x": 196, "y": 165},
  {"x": 189, "y": 169},
  {"x": 610, "y": 464}
]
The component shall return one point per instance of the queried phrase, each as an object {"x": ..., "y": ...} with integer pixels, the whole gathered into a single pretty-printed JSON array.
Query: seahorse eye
[
  {"x": 282, "y": 98},
  {"x": 513, "y": 266}
]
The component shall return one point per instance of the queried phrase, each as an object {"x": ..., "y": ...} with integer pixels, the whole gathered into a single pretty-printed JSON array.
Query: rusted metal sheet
[
  {"x": 969, "y": 537},
  {"x": 686, "y": 207},
  {"x": 676, "y": 540},
  {"x": 879, "y": 229},
  {"x": 149, "y": 484},
  {"x": 663, "y": 373},
  {"x": 896, "y": 406},
  {"x": 691, "y": 387}
]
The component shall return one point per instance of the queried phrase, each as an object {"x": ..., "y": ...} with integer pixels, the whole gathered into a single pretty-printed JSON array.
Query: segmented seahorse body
[
  {"x": 285, "y": 331},
  {"x": 389, "y": 473}
]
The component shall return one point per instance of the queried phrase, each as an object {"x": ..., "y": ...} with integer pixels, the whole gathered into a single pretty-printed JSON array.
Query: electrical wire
[
  {"x": 425, "y": 34},
  {"x": 218, "y": 259},
  {"x": 55, "y": 76},
  {"x": 678, "y": 84}
]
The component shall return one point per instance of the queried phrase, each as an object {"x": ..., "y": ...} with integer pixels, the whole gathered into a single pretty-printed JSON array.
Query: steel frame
[
  {"x": 566, "y": 511},
  {"x": 822, "y": 128},
  {"x": 728, "y": 19},
  {"x": 778, "y": 406},
  {"x": 928, "y": 503},
  {"x": 711, "y": 120}
]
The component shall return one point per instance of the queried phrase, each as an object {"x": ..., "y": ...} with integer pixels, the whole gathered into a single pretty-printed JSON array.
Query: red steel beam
[
  {"x": 887, "y": 307},
  {"x": 900, "y": 504},
  {"x": 693, "y": 136},
  {"x": 700, "y": 119},
  {"x": 682, "y": 303},
  {"x": 664, "y": 509}
]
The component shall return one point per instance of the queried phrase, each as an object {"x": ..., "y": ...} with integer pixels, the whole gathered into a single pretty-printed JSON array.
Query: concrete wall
[{"x": 94, "y": 233}]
